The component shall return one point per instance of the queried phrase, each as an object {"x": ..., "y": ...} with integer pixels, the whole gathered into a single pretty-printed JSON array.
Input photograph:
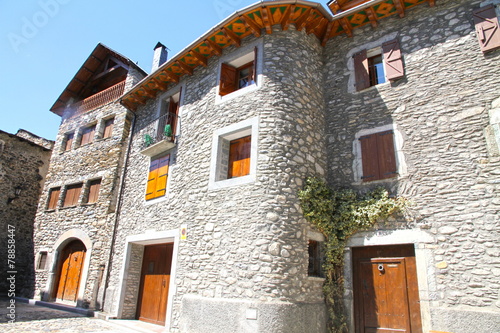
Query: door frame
[
  {"x": 423, "y": 257},
  {"x": 59, "y": 245},
  {"x": 59, "y": 274},
  {"x": 149, "y": 238}
]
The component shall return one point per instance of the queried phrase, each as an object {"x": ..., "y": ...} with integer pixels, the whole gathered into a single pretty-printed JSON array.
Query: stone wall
[
  {"x": 102, "y": 158},
  {"x": 23, "y": 164},
  {"x": 244, "y": 243},
  {"x": 441, "y": 109}
]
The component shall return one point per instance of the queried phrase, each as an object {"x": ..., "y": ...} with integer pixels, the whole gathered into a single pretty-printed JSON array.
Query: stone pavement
[{"x": 39, "y": 319}]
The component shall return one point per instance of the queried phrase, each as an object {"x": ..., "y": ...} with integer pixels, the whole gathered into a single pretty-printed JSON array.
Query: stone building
[
  {"x": 24, "y": 160},
  {"x": 197, "y": 224},
  {"x": 77, "y": 210}
]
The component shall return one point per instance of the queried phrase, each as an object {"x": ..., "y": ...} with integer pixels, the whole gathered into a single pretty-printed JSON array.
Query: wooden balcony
[
  {"x": 101, "y": 98},
  {"x": 159, "y": 136}
]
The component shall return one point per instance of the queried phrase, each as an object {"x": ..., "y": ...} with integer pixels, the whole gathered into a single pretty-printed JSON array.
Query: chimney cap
[{"x": 159, "y": 45}]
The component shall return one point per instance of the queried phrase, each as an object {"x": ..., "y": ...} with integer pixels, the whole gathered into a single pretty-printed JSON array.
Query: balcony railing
[
  {"x": 159, "y": 135},
  {"x": 99, "y": 99}
]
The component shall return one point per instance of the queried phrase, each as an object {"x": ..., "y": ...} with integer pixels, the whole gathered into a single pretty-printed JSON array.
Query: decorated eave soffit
[{"x": 259, "y": 19}]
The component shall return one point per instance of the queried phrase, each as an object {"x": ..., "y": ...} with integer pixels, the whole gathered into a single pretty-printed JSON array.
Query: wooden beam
[
  {"x": 264, "y": 11},
  {"x": 79, "y": 81},
  {"x": 285, "y": 21},
  {"x": 400, "y": 8},
  {"x": 162, "y": 85},
  {"x": 347, "y": 27},
  {"x": 231, "y": 36},
  {"x": 214, "y": 47},
  {"x": 370, "y": 12},
  {"x": 171, "y": 75},
  {"x": 251, "y": 24},
  {"x": 94, "y": 57},
  {"x": 314, "y": 25},
  {"x": 88, "y": 70},
  {"x": 302, "y": 20},
  {"x": 328, "y": 32},
  {"x": 185, "y": 68},
  {"x": 201, "y": 59},
  {"x": 136, "y": 99}
]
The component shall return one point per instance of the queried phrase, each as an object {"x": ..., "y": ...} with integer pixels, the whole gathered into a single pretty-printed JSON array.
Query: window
[
  {"x": 239, "y": 157},
  {"x": 239, "y": 73},
  {"x": 87, "y": 135},
  {"x": 375, "y": 66},
  {"x": 68, "y": 141},
  {"x": 157, "y": 177},
  {"x": 53, "y": 197},
  {"x": 234, "y": 154},
  {"x": 94, "y": 186},
  {"x": 378, "y": 158},
  {"x": 315, "y": 251},
  {"x": 72, "y": 195},
  {"x": 487, "y": 28},
  {"x": 42, "y": 260},
  {"x": 108, "y": 128}
]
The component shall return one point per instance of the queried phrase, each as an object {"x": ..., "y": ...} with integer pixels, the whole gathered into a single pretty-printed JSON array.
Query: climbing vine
[{"x": 338, "y": 214}]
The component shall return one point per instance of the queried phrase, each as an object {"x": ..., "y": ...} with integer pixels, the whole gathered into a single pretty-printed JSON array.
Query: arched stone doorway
[{"x": 69, "y": 273}]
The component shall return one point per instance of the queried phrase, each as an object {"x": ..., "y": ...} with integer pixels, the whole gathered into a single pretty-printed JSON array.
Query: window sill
[
  {"x": 375, "y": 87},
  {"x": 89, "y": 204},
  {"x": 245, "y": 90},
  {"x": 68, "y": 207},
  {"x": 155, "y": 200},
  {"x": 232, "y": 182},
  {"x": 316, "y": 278},
  {"x": 50, "y": 210}
]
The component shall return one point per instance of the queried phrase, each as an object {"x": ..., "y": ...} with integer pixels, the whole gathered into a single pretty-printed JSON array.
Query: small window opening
[{"x": 376, "y": 70}]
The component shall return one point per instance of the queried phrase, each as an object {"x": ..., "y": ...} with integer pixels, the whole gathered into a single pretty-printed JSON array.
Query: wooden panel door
[
  {"x": 386, "y": 290},
  {"x": 155, "y": 280},
  {"x": 71, "y": 264}
]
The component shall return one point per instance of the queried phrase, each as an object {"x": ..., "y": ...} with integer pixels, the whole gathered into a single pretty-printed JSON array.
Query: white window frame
[
  {"x": 357, "y": 165},
  {"x": 228, "y": 133},
  {"x": 238, "y": 58}
]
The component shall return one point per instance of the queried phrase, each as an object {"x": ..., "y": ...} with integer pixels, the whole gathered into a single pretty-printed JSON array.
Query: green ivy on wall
[{"x": 338, "y": 214}]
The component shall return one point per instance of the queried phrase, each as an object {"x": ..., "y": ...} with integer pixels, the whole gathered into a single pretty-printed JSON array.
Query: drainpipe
[{"x": 118, "y": 209}]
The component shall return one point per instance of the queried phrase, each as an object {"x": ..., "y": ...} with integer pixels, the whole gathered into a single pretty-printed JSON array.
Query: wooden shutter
[
  {"x": 487, "y": 28},
  {"x": 54, "y": 198},
  {"x": 386, "y": 156},
  {"x": 228, "y": 79},
  {"x": 88, "y": 135},
  {"x": 69, "y": 141},
  {"x": 361, "y": 70},
  {"x": 239, "y": 157},
  {"x": 369, "y": 157},
  {"x": 95, "y": 185},
  {"x": 161, "y": 180},
  {"x": 152, "y": 176},
  {"x": 72, "y": 195},
  {"x": 393, "y": 62},
  {"x": 108, "y": 128}
]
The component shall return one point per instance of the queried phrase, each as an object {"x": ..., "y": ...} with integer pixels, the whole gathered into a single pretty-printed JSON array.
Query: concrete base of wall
[
  {"x": 465, "y": 320},
  {"x": 200, "y": 314}
]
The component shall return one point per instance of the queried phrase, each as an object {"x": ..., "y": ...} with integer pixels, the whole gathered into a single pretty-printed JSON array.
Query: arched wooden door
[{"x": 70, "y": 271}]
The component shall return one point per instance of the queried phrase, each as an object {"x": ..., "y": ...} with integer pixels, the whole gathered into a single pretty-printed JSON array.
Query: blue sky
[{"x": 44, "y": 42}]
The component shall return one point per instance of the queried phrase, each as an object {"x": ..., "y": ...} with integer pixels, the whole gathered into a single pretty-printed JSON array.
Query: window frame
[
  {"x": 69, "y": 138},
  {"x": 68, "y": 191},
  {"x": 51, "y": 199},
  {"x": 43, "y": 257},
  {"x": 219, "y": 162},
  {"x": 90, "y": 138},
  {"x": 239, "y": 59},
  {"x": 92, "y": 184},
  {"x": 107, "y": 128},
  {"x": 401, "y": 168},
  {"x": 154, "y": 197}
]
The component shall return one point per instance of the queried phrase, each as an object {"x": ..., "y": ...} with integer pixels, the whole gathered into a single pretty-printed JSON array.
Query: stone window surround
[
  {"x": 372, "y": 48},
  {"x": 231, "y": 132},
  {"x": 77, "y": 133},
  {"x": 149, "y": 237},
  {"x": 171, "y": 169},
  {"x": 64, "y": 184},
  {"x": 318, "y": 237},
  {"x": 423, "y": 256},
  {"x": 164, "y": 98},
  {"x": 234, "y": 56},
  {"x": 357, "y": 165},
  {"x": 38, "y": 256}
]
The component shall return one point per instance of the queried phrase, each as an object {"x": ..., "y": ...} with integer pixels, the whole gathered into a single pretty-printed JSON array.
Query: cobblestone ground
[{"x": 35, "y": 319}]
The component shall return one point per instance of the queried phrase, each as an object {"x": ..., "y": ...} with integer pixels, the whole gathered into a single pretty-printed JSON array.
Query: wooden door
[
  {"x": 70, "y": 272},
  {"x": 386, "y": 290},
  {"x": 155, "y": 280}
]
